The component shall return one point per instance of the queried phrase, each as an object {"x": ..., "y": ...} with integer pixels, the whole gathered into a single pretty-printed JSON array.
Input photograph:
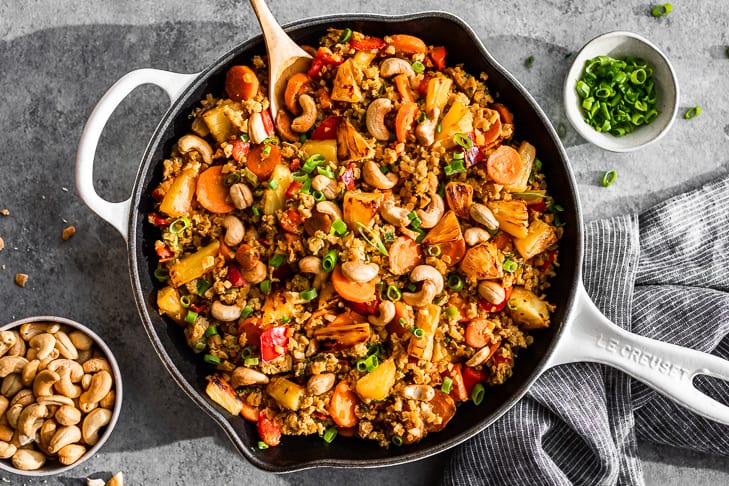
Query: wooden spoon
[{"x": 285, "y": 57}]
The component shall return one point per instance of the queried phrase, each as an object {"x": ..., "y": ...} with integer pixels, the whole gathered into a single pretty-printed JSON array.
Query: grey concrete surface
[{"x": 57, "y": 57}]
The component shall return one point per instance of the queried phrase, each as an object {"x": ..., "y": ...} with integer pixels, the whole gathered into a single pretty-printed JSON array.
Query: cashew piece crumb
[
  {"x": 330, "y": 208},
  {"x": 394, "y": 65},
  {"x": 432, "y": 286},
  {"x": 327, "y": 186},
  {"x": 483, "y": 215}
]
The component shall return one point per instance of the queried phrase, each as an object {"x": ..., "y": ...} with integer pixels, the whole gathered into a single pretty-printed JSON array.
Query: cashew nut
[
  {"x": 283, "y": 126},
  {"x": 234, "y": 230},
  {"x": 418, "y": 392},
  {"x": 483, "y": 215},
  {"x": 92, "y": 424},
  {"x": 225, "y": 313},
  {"x": 65, "y": 346},
  {"x": 241, "y": 195},
  {"x": 30, "y": 372},
  {"x": 330, "y": 208},
  {"x": 49, "y": 359},
  {"x": 7, "y": 449},
  {"x": 257, "y": 274},
  {"x": 394, "y": 65},
  {"x": 306, "y": 120},
  {"x": 246, "y": 376},
  {"x": 386, "y": 314},
  {"x": 21, "y": 399},
  {"x": 31, "y": 419},
  {"x": 7, "y": 341},
  {"x": 47, "y": 430},
  {"x": 327, "y": 186},
  {"x": 4, "y": 403},
  {"x": 491, "y": 291},
  {"x": 11, "y": 384},
  {"x": 11, "y": 364},
  {"x": 425, "y": 132},
  {"x": 432, "y": 286},
  {"x": 30, "y": 329},
  {"x": 81, "y": 341},
  {"x": 28, "y": 459},
  {"x": 321, "y": 383},
  {"x": 100, "y": 385},
  {"x": 43, "y": 383},
  {"x": 257, "y": 128},
  {"x": 432, "y": 215},
  {"x": 95, "y": 365},
  {"x": 375, "y": 119},
  {"x": 71, "y": 453},
  {"x": 68, "y": 415},
  {"x": 70, "y": 372},
  {"x": 474, "y": 236},
  {"x": 43, "y": 344},
  {"x": 191, "y": 142},
  {"x": 373, "y": 176},
  {"x": 359, "y": 271},
  {"x": 68, "y": 434},
  {"x": 108, "y": 400},
  {"x": 422, "y": 273},
  {"x": 479, "y": 356},
  {"x": 394, "y": 215},
  {"x": 6, "y": 433},
  {"x": 312, "y": 264}
]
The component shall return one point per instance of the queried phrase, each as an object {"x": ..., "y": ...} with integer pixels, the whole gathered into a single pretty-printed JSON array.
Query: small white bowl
[{"x": 620, "y": 44}]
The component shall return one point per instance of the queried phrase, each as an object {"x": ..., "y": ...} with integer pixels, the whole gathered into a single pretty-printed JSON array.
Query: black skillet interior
[{"x": 189, "y": 371}]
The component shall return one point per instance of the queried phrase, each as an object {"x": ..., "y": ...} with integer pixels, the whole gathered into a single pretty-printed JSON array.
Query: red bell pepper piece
[
  {"x": 235, "y": 277},
  {"x": 327, "y": 129},
  {"x": 323, "y": 57},
  {"x": 348, "y": 177},
  {"x": 438, "y": 55},
  {"x": 291, "y": 221},
  {"x": 251, "y": 327},
  {"x": 541, "y": 206},
  {"x": 163, "y": 251},
  {"x": 199, "y": 308},
  {"x": 240, "y": 150},
  {"x": 268, "y": 430},
  {"x": 158, "y": 220},
  {"x": 295, "y": 164},
  {"x": 550, "y": 259},
  {"x": 293, "y": 189},
  {"x": 366, "y": 308},
  {"x": 274, "y": 342},
  {"x": 268, "y": 122},
  {"x": 423, "y": 85},
  {"x": 471, "y": 377},
  {"x": 489, "y": 307},
  {"x": 367, "y": 43}
]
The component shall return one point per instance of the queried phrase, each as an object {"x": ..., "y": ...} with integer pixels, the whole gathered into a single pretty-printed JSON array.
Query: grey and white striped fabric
[{"x": 663, "y": 274}]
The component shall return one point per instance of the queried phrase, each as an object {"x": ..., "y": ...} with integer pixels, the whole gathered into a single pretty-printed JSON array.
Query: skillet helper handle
[
  {"x": 667, "y": 368},
  {"x": 117, "y": 213}
]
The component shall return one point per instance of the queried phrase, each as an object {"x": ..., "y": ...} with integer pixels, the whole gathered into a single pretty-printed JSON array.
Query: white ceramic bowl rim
[
  {"x": 621, "y": 44},
  {"x": 48, "y": 470}
]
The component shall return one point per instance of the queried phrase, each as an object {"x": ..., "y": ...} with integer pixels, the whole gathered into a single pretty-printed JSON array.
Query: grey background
[{"x": 57, "y": 57}]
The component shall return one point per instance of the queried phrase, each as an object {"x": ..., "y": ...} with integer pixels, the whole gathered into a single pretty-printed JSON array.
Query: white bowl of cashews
[{"x": 60, "y": 395}]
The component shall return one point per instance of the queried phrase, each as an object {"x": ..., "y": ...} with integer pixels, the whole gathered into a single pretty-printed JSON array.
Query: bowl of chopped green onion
[{"x": 621, "y": 92}]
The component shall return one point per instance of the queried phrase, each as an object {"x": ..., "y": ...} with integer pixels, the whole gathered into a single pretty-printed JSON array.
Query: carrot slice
[
  {"x": 504, "y": 113},
  {"x": 405, "y": 254},
  {"x": 351, "y": 290},
  {"x": 342, "y": 404},
  {"x": 492, "y": 134},
  {"x": 402, "y": 83},
  {"x": 296, "y": 85},
  {"x": 408, "y": 44},
  {"x": 241, "y": 83},
  {"x": 504, "y": 165},
  {"x": 404, "y": 120},
  {"x": 249, "y": 413},
  {"x": 263, "y": 164},
  {"x": 211, "y": 191},
  {"x": 479, "y": 333}
]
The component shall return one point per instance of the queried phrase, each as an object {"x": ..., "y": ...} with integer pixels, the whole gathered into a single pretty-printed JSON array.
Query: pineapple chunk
[
  {"x": 528, "y": 310},
  {"x": 377, "y": 384},
  {"x": 168, "y": 302},
  {"x": 458, "y": 119},
  {"x": 223, "y": 394},
  {"x": 352, "y": 145},
  {"x": 459, "y": 196},
  {"x": 540, "y": 236},
  {"x": 276, "y": 307},
  {"x": 513, "y": 216},
  {"x": 326, "y": 148},
  {"x": 273, "y": 199},
  {"x": 449, "y": 238},
  {"x": 343, "y": 336},
  {"x": 219, "y": 124},
  {"x": 528, "y": 153},
  {"x": 195, "y": 265},
  {"x": 427, "y": 320},
  {"x": 286, "y": 393},
  {"x": 178, "y": 198},
  {"x": 360, "y": 207},
  {"x": 346, "y": 87},
  {"x": 482, "y": 262},
  {"x": 437, "y": 94}
]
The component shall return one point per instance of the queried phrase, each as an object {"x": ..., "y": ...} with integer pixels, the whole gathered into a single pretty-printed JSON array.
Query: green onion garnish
[
  {"x": 529, "y": 61},
  {"x": 396, "y": 440},
  {"x": 232, "y": 178},
  {"x": 661, "y": 10},
  {"x": 265, "y": 286},
  {"x": 262, "y": 445},
  {"x": 692, "y": 112},
  {"x": 455, "y": 167},
  {"x": 345, "y": 35},
  {"x": 393, "y": 293},
  {"x": 162, "y": 274},
  {"x": 251, "y": 361},
  {"x": 609, "y": 177},
  {"x": 455, "y": 282},
  {"x": 361, "y": 366},
  {"x": 266, "y": 150},
  {"x": 512, "y": 304},
  {"x": 190, "y": 317},
  {"x": 433, "y": 250},
  {"x": 244, "y": 137},
  {"x": 445, "y": 387},
  {"x": 273, "y": 183},
  {"x": 185, "y": 301},
  {"x": 403, "y": 322},
  {"x": 202, "y": 286},
  {"x": 372, "y": 238},
  {"x": 415, "y": 221},
  {"x": 326, "y": 171},
  {"x": 388, "y": 237},
  {"x": 246, "y": 312},
  {"x": 478, "y": 393},
  {"x": 329, "y": 261},
  {"x": 210, "y": 359},
  {"x": 246, "y": 352},
  {"x": 417, "y": 332},
  {"x": 418, "y": 66},
  {"x": 312, "y": 163},
  {"x": 463, "y": 140},
  {"x": 371, "y": 363},
  {"x": 329, "y": 435},
  {"x": 276, "y": 260},
  {"x": 451, "y": 312},
  {"x": 308, "y": 294},
  {"x": 510, "y": 265},
  {"x": 211, "y": 331},
  {"x": 318, "y": 196},
  {"x": 256, "y": 211},
  {"x": 179, "y": 225},
  {"x": 338, "y": 228}
]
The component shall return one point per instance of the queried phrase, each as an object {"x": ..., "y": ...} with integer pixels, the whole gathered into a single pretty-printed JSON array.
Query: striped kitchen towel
[{"x": 662, "y": 274}]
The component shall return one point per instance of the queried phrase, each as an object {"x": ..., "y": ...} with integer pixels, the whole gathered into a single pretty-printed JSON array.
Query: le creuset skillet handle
[
  {"x": 668, "y": 368},
  {"x": 117, "y": 213}
]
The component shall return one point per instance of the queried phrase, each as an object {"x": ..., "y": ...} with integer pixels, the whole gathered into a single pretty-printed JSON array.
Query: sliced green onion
[
  {"x": 372, "y": 238},
  {"x": 609, "y": 177},
  {"x": 162, "y": 274},
  {"x": 329, "y": 261},
  {"x": 361, "y": 366},
  {"x": 190, "y": 317},
  {"x": 510, "y": 265},
  {"x": 246, "y": 352},
  {"x": 403, "y": 322},
  {"x": 451, "y": 312},
  {"x": 417, "y": 332},
  {"x": 459, "y": 156},
  {"x": 455, "y": 167},
  {"x": 256, "y": 211},
  {"x": 329, "y": 435},
  {"x": 276, "y": 260},
  {"x": 345, "y": 35},
  {"x": 185, "y": 301},
  {"x": 338, "y": 228},
  {"x": 396, "y": 440},
  {"x": 418, "y": 66},
  {"x": 478, "y": 393},
  {"x": 262, "y": 445},
  {"x": 463, "y": 140},
  {"x": 285, "y": 320},
  {"x": 179, "y": 225},
  {"x": 312, "y": 163},
  {"x": 251, "y": 361},
  {"x": 388, "y": 237},
  {"x": 200, "y": 345},
  {"x": 455, "y": 282},
  {"x": 529, "y": 61},
  {"x": 202, "y": 286},
  {"x": 445, "y": 387},
  {"x": 244, "y": 137},
  {"x": 273, "y": 183},
  {"x": 308, "y": 294},
  {"x": 211, "y": 331},
  {"x": 265, "y": 286},
  {"x": 210, "y": 359},
  {"x": 246, "y": 312},
  {"x": 318, "y": 196},
  {"x": 415, "y": 221},
  {"x": 393, "y": 293},
  {"x": 326, "y": 171},
  {"x": 303, "y": 138},
  {"x": 433, "y": 250},
  {"x": 371, "y": 363},
  {"x": 692, "y": 112},
  {"x": 661, "y": 10},
  {"x": 232, "y": 178},
  {"x": 266, "y": 150}
]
